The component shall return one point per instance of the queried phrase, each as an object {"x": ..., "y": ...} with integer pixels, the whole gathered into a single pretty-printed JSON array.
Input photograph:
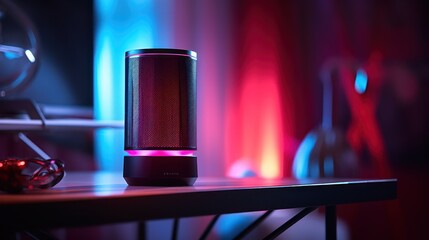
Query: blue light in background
[
  {"x": 232, "y": 224},
  {"x": 121, "y": 26},
  {"x": 361, "y": 81},
  {"x": 301, "y": 164}
]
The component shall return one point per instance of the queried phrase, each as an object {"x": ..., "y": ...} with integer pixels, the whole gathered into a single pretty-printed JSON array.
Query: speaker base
[{"x": 160, "y": 170}]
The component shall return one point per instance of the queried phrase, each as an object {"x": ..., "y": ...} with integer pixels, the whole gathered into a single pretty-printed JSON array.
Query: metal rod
[
  {"x": 327, "y": 100},
  {"x": 175, "y": 229},
  {"x": 33, "y": 146},
  {"x": 290, "y": 222},
  {"x": 57, "y": 124},
  {"x": 253, "y": 225},
  {"x": 209, "y": 227},
  {"x": 39, "y": 235},
  {"x": 141, "y": 230},
  {"x": 331, "y": 222}
]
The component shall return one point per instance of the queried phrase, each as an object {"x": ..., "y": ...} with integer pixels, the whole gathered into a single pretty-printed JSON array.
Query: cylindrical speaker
[{"x": 160, "y": 117}]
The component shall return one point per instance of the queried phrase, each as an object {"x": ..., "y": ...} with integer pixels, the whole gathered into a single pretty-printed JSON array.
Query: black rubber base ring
[{"x": 160, "y": 170}]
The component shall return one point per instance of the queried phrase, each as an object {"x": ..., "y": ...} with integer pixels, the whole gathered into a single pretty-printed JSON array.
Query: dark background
[
  {"x": 65, "y": 73},
  {"x": 309, "y": 32}
]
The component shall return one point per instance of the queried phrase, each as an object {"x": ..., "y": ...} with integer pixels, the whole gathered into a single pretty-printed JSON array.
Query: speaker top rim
[{"x": 160, "y": 51}]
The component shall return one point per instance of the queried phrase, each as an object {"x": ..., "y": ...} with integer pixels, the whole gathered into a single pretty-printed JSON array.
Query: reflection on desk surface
[{"x": 90, "y": 185}]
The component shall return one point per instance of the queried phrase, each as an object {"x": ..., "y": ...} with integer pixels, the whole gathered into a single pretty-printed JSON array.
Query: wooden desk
[{"x": 101, "y": 198}]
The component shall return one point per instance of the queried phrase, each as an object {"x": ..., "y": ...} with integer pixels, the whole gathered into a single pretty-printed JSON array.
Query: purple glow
[
  {"x": 193, "y": 55},
  {"x": 179, "y": 153}
]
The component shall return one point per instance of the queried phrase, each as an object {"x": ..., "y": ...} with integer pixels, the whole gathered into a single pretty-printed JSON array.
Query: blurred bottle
[{"x": 325, "y": 152}]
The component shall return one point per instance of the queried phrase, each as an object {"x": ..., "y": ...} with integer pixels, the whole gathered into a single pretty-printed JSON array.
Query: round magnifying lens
[{"x": 18, "y": 49}]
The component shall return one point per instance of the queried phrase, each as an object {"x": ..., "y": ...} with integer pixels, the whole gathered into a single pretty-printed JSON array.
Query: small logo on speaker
[{"x": 171, "y": 174}]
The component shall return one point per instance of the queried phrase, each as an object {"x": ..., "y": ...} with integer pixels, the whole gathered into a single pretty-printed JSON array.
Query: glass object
[
  {"x": 18, "y": 174},
  {"x": 325, "y": 152},
  {"x": 18, "y": 49}
]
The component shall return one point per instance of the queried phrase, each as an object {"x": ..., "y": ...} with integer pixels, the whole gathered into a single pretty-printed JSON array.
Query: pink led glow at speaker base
[
  {"x": 161, "y": 153},
  {"x": 160, "y": 170},
  {"x": 160, "y": 167}
]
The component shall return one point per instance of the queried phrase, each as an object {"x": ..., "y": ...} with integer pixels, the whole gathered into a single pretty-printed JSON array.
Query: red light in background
[
  {"x": 254, "y": 127},
  {"x": 364, "y": 129}
]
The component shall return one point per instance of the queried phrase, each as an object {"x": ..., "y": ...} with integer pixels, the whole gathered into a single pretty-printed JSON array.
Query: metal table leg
[
  {"x": 175, "y": 231},
  {"x": 331, "y": 222},
  {"x": 304, "y": 212},
  {"x": 141, "y": 235}
]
